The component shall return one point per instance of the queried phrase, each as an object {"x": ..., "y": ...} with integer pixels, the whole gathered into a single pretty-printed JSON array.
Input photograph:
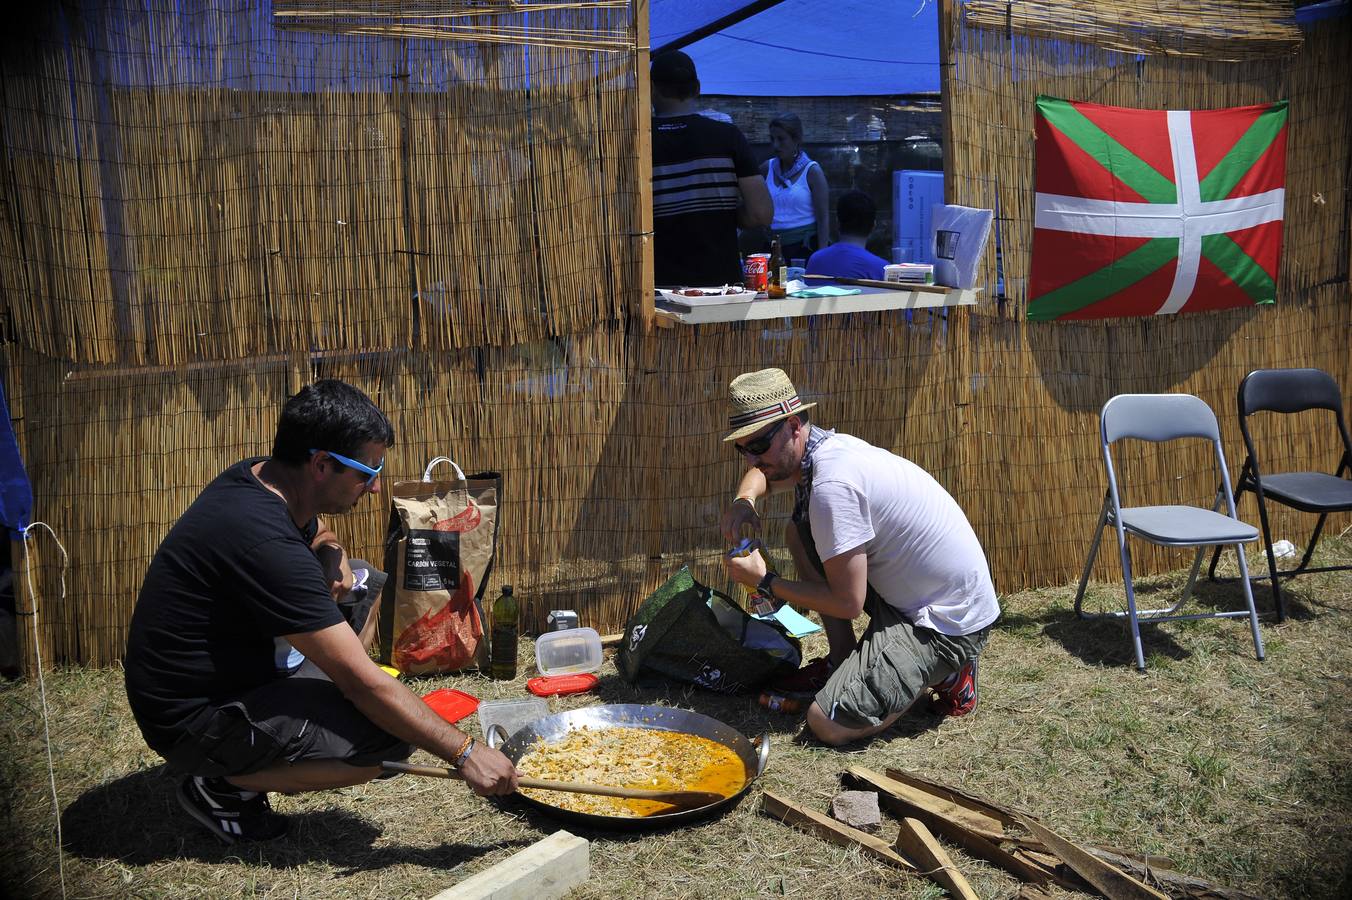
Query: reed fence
[{"x": 201, "y": 213}]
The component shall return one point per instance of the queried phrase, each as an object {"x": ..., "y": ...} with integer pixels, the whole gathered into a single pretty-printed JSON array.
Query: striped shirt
[{"x": 696, "y": 164}]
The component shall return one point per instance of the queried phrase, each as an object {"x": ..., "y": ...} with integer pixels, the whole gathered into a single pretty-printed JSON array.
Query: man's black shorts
[{"x": 301, "y": 717}]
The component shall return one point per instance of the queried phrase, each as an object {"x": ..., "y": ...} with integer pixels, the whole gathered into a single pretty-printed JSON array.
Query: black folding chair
[{"x": 1292, "y": 391}]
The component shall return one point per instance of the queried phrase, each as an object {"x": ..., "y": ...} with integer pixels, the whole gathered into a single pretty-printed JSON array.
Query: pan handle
[
  {"x": 762, "y": 744},
  {"x": 496, "y": 736}
]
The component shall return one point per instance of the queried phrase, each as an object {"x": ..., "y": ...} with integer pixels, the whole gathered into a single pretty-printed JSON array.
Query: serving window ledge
[{"x": 870, "y": 299}]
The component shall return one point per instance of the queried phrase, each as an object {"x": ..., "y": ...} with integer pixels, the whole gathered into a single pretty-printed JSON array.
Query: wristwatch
[{"x": 764, "y": 585}]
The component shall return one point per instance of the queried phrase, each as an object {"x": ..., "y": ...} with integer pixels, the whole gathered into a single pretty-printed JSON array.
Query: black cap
[{"x": 673, "y": 68}]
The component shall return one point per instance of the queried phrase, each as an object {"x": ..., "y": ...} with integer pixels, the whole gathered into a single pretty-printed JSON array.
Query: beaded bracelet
[{"x": 463, "y": 753}]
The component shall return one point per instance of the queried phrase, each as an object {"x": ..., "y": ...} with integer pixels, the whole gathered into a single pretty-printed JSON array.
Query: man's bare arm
[
  {"x": 840, "y": 596},
  {"x": 757, "y": 209},
  {"x": 397, "y": 710}
]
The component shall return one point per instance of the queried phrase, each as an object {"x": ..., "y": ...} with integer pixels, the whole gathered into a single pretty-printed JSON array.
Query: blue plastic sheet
[{"x": 809, "y": 48}]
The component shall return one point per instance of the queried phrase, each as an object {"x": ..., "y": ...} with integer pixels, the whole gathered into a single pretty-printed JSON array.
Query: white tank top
[{"x": 793, "y": 203}]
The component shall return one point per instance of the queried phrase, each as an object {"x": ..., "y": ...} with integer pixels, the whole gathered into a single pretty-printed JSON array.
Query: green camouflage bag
[{"x": 693, "y": 633}]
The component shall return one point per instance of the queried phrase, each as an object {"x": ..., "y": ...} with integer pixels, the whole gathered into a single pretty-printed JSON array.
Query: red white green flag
[{"x": 1147, "y": 212}]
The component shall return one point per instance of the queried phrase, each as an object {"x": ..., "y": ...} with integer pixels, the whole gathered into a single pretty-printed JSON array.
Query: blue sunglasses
[{"x": 355, "y": 464}]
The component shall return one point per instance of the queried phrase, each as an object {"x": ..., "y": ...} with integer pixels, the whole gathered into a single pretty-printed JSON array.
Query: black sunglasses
[{"x": 761, "y": 444}]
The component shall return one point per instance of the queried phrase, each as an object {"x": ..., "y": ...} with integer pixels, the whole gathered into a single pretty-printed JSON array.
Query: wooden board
[
  {"x": 824, "y": 826},
  {"x": 974, "y": 843},
  {"x": 915, "y": 840},
  {"x": 885, "y": 285},
  {"x": 543, "y": 871},
  {"x": 975, "y": 821},
  {"x": 1112, "y": 881}
]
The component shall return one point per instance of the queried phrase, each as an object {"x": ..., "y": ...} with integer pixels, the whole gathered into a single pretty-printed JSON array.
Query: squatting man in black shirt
[{"x": 247, "y": 663}]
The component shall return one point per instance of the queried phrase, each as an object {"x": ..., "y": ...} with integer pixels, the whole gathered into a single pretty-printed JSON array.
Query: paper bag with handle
[{"x": 439, "y": 550}]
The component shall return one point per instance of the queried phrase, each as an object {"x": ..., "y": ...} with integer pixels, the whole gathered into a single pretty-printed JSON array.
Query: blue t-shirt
[{"x": 846, "y": 261}]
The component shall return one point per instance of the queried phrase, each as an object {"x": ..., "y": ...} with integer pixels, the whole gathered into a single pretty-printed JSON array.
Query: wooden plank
[
  {"x": 643, "y": 117},
  {"x": 871, "y": 300},
  {"x": 825, "y": 827},
  {"x": 975, "y": 844},
  {"x": 979, "y": 823},
  {"x": 543, "y": 871},
  {"x": 915, "y": 840},
  {"x": 1177, "y": 883},
  {"x": 886, "y": 285},
  {"x": 1112, "y": 881},
  {"x": 954, "y": 795}
]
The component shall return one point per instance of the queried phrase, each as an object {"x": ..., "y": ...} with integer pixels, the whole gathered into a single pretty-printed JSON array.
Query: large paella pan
[{"x": 566, "y": 739}]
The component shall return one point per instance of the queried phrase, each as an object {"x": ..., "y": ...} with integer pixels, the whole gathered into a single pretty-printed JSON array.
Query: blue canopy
[{"x": 808, "y": 48}]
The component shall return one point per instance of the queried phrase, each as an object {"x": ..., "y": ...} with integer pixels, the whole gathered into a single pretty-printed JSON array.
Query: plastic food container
[
  {"x": 450, "y": 704},
  {"x": 512, "y": 715},
  {"x": 568, "y": 652},
  {"x": 559, "y": 685}
]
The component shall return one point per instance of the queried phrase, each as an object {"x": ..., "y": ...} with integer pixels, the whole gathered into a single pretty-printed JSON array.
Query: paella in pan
[{"x": 630, "y": 745}]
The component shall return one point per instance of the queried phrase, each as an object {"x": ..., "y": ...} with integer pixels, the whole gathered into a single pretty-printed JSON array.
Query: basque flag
[{"x": 1147, "y": 212}]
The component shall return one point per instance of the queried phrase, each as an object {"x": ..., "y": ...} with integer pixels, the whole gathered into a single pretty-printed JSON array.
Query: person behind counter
[
  {"x": 802, "y": 218},
  {"x": 246, "y": 664},
  {"x": 847, "y": 258},
  {"x": 871, "y": 533},
  {"x": 704, "y": 183}
]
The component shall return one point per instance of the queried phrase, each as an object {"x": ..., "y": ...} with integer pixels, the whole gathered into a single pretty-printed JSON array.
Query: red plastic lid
[
  {"x": 551, "y": 685},
  {"x": 450, "y": 704}
]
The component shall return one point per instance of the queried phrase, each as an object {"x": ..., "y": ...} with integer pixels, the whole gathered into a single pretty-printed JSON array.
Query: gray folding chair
[
  {"x": 1159, "y": 418},
  {"x": 1289, "y": 391}
]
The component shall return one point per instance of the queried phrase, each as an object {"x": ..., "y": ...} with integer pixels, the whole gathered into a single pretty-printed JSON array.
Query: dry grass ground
[{"x": 1240, "y": 770}]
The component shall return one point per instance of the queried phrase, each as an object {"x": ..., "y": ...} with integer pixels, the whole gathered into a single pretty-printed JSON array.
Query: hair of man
[
  {"x": 856, "y": 213},
  {"x": 329, "y": 415},
  {"x": 674, "y": 76}
]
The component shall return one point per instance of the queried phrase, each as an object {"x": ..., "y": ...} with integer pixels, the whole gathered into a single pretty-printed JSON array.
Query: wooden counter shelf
[{"x": 870, "y": 299}]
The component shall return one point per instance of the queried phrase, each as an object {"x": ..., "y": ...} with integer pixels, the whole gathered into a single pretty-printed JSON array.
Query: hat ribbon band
[{"x": 765, "y": 414}]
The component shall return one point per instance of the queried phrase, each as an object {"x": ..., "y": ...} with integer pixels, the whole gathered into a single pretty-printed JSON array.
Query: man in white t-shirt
[{"x": 871, "y": 532}]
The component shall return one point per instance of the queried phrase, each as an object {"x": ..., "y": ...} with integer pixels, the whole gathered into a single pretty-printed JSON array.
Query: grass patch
[{"x": 1240, "y": 770}]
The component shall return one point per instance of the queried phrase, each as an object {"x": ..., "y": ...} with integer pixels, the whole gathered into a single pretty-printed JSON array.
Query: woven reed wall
[{"x": 204, "y": 249}]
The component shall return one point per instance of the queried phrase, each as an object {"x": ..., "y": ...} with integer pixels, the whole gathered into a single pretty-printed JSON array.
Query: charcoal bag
[{"x": 439, "y": 550}]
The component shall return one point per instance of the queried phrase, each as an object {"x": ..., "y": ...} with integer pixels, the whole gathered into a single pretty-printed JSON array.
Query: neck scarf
[
  {"x": 784, "y": 179},
  {"x": 802, "y": 491}
]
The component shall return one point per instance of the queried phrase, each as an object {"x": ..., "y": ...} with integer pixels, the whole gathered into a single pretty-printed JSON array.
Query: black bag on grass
[{"x": 692, "y": 633}]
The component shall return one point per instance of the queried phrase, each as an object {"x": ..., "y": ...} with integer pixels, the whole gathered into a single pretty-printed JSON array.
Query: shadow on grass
[
  {"x": 1107, "y": 642},
  {"x": 136, "y": 819}
]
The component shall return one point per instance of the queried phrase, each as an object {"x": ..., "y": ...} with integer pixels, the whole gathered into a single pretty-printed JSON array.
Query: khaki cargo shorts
[{"x": 894, "y": 663}]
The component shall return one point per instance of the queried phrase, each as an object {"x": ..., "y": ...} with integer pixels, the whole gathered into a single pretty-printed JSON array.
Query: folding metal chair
[
  {"x": 1291, "y": 391},
  {"x": 1159, "y": 418}
]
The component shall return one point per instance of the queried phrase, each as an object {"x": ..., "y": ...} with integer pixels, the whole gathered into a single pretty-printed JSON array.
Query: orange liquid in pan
[{"x": 634, "y": 758}]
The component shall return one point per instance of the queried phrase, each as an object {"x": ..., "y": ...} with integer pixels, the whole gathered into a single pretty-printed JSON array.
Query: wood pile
[{"x": 1010, "y": 839}]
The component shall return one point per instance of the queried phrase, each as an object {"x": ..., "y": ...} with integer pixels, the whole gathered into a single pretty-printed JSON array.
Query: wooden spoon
[{"x": 687, "y": 799}]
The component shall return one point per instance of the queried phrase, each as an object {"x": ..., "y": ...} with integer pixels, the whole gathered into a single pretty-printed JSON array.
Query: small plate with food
[{"x": 690, "y": 297}]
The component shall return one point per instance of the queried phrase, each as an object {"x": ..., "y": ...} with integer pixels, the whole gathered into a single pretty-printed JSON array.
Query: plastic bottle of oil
[
  {"x": 502, "y": 651},
  {"x": 755, "y": 601}
]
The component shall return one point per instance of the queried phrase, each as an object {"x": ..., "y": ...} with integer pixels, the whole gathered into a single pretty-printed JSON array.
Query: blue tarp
[
  {"x": 808, "y": 48},
  {"x": 16, "y": 495}
]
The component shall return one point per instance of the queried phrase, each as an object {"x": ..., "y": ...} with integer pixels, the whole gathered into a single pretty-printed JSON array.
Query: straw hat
[{"x": 758, "y": 398}]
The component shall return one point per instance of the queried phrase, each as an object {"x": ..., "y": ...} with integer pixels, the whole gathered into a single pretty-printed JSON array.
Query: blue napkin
[
  {"x": 793, "y": 621},
  {"x": 826, "y": 290}
]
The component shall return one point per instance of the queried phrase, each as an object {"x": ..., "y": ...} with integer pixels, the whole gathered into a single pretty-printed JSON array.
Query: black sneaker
[{"x": 224, "y": 811}]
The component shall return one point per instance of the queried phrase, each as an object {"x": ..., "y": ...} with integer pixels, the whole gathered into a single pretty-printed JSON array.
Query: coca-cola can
[{"x": 756, "y": 272}]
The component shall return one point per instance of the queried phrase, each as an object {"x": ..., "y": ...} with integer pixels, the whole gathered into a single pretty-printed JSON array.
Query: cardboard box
[{"x": 914, "y": 194}]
